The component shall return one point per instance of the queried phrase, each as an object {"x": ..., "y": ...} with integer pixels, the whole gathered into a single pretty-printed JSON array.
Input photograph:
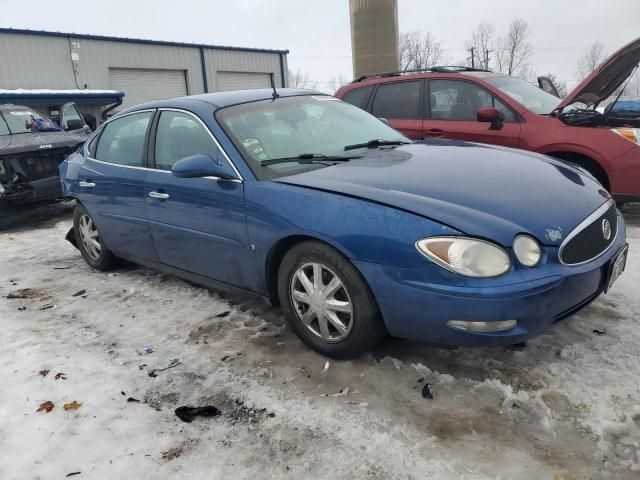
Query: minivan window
[
  {"x": 358, "y": 96},
  {"x": 460, "y": 100},
  {"x": 181, "y": 135},
  {"x": 122, "y": 141},
  {"x": 397, "y": 100}
]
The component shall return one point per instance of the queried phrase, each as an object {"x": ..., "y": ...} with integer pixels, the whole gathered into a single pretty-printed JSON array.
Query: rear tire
[
  {"x": 327, "y": 302},
  {"x": 90, "y": 243}
]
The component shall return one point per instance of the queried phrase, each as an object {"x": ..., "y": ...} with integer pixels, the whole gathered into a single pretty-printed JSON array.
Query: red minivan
[{"x": 467, "y": 104}]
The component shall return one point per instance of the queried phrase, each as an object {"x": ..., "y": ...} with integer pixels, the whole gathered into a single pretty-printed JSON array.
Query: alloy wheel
[
  {"x": 321, "y": 302},
  {"x": 89, "y": 236}
]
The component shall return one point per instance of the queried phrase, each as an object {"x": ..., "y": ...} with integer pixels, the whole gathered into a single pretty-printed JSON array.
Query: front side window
[
  {"x": 397, "y": 100},
  {"x": 122, "y": 141},
  {"x": 286, "y": 127},
  {"x": 181, "y": 135},
  {"x": 358, "y": 96},
  {"x": 25, "y": 120},
  {"x": 70, "y": 112},
  {"x": 526, "y": 94},
  {"x": 459, "y": 100}
]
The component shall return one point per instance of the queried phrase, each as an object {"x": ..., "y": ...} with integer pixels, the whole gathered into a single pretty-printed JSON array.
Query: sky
[{"x": 317, "y": 32}]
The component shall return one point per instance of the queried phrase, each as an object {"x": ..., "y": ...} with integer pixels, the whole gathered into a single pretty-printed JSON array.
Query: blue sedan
[{"x": 354, "y": 230}]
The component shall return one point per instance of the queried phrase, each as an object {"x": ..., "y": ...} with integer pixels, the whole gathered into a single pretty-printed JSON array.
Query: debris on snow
[
  {"x": 46, "y": 406},
  {"x": 60, "y": 376},
  {"x": 72, "y": 406},
  {"x": 78, "y": 293},
  {"x": 426, "y": 391},
  {"x": 174, "y": 362},
  {"x": 145, "y": 351},
  {"x": 187, "y": 414}
]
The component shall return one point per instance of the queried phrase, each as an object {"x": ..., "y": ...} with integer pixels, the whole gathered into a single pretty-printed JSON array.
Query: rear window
[
  {"x": 358, "y": 96},
  {"x": 25, "y": 120},
  {"x": 397, "y": 100}
]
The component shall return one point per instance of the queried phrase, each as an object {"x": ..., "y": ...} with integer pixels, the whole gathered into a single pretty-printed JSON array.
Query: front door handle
[
  {"x": 160, "y": 195},
  {"x": 86, "y": 184}
]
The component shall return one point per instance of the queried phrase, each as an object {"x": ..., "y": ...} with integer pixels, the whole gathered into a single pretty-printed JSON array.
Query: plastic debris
[
  {"x": 187, "y": 414},
  {"x": 78, "y": 293},
  {"x": 145, "y": 351},
  {"x": 174, "y": 362},
  {"x": 426, "y": 391},
  {"x": 72, "y": 406},
  {"x": 46, "y": 406}
]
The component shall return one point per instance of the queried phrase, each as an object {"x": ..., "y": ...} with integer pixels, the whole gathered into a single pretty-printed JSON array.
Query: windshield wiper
[
  {"x": 375, "y": 144},
  {"x": 308, "y": 158}
]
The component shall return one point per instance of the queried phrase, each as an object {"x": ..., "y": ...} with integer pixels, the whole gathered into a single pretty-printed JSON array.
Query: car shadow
[{"x": 16, "y": 219}]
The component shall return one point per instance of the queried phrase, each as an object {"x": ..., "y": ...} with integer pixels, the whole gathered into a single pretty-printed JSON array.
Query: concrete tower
[{"x": 374, "y": 36}]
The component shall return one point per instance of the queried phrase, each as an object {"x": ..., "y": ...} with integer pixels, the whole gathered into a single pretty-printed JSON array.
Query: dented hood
[
  {"x": 38, "y": 141},
  {"x": 606, "y": 78},
  {"x": 480, "y": 190}
]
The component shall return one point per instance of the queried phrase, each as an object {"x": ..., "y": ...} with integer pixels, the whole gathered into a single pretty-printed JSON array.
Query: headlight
[
  {"x": 527, "y": 250},
  {"x": 467, "y": 256},
  {"x": 631, "y": 134}
]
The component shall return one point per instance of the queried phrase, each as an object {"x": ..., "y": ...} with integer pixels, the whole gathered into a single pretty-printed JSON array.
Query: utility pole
[
  {"x": 486, "y": 58},
  {"x": 473, "y": 57}
]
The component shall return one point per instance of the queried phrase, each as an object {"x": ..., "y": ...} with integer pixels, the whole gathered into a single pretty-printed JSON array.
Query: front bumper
[{"x": 417, "y": 308}]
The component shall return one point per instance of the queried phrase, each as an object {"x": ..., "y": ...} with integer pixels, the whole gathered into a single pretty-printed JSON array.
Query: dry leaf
[
  {"x": 61, "y": 376},
  {"x": 44, "y": 373},
  {"x": 45, "y": 406},
  {"x": 72, "y": 406}
]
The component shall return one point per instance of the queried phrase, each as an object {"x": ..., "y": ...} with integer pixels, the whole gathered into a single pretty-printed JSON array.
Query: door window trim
[
  {"x": 427, "y": 99},
  {"x": 152, "y": 141},
  {"x": 100, "y": 131},
  {"x": 421, "y": 113}
]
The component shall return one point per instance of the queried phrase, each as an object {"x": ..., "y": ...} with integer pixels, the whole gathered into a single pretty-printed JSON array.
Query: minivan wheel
[
  {"x": 327, "y": 302},
  {"x": 89, "y": 241}
]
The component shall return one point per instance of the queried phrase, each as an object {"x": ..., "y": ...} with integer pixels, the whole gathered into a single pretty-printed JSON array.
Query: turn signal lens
[
  {"x": 466, "y": 256},
  {"x": 527, "y": 250},
  {"x": 631, "y": 134}
]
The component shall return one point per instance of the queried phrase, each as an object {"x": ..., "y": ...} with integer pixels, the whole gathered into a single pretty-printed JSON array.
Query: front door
[
  {"x": 197, "y": 224},
  {"x": 111, "y": 185},
  {"x": 452, "y": 107}
]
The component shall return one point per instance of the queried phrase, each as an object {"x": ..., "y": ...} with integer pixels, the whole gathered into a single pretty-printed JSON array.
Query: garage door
[
  {"x": 141, "y": 86},
  {"x": 242, "y": 80}
]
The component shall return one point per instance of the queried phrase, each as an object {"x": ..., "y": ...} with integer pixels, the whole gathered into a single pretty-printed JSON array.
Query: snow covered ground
[{"x": 566, "y": 406}]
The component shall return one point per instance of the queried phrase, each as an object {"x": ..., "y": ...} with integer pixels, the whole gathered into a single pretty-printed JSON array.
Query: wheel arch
[{"x": 587, "y": 162}]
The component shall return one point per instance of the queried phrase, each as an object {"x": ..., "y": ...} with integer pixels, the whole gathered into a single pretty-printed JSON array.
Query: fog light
[{"x": 485, "y": 327}]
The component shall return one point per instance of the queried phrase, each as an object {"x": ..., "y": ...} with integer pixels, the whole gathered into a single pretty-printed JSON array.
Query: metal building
[{"x": 144, "y": 70}]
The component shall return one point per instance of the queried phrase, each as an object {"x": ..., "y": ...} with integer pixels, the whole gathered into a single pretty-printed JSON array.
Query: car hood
[
  {"x": 480, "y": 190},
  {"x": 30, "y": 142},
  {"x": 606, "y": 78}
]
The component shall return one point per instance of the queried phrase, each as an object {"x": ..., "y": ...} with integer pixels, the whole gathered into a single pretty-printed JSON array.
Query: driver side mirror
[
  {"x": 492, "y": 115},
  {"x": 198, "y": 166}
]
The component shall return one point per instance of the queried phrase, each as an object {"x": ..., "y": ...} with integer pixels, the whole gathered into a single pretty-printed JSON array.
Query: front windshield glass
[
  {"x": 25, "y": 120},
  {"x": 287, "y": 127},
  {"x": 525, "y": 93}
]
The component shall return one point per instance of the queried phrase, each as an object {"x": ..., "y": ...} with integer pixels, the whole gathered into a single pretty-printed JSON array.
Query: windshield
[
  {"x": 289, "y": 127},
  {"x": 25, "y": 120},
  {"x": 525, "y": 93}
]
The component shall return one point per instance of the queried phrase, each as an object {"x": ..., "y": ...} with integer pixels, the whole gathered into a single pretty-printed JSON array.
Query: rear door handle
[
  {"x": 86, "y": 184},
  {"x": 160, "y": 195}
]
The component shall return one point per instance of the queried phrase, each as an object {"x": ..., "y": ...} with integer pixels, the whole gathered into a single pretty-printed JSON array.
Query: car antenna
[{"x": 275, "y": 93}]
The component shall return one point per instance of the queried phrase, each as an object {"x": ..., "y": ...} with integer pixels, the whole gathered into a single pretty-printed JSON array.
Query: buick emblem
[{"x": 606, "y": 229}]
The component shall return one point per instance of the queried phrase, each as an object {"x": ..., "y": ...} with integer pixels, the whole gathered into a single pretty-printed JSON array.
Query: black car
[{"x": 32, "y": 147}]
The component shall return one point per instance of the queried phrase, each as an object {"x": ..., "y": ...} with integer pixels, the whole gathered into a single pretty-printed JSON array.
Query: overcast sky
[{"x": 317, "y": 31}]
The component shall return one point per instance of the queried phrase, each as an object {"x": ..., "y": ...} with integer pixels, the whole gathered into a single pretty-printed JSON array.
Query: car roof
[
  {"x": 395, "y": 77},
  {"x": 225, "y": 99}
]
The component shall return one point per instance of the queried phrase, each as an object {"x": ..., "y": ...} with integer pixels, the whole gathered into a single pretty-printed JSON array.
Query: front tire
[
  {"x": 327, "y": 302},
  {"x": 90, "y": 243}
]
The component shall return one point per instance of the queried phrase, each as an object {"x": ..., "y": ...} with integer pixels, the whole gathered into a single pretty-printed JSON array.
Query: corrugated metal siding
[
  {"x": 228, "y": 61},
  {"x": 147, "y": 85},
  {"x": 242, "y": 80}
]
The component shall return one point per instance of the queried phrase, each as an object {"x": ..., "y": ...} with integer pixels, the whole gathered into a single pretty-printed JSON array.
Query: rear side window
[
  {"x": 122, "y": 141},
  {"x": 4, "y": 129},
  {"x": 181, "y": 135},
  {"x": 358, "y": 96},
  {"x": 397, "y": 100},
  {"x": 458, "y": 100}
]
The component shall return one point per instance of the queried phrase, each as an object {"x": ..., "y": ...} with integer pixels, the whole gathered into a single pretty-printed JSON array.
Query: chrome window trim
[
  {"x": 85, "y": 149},
  {"x": 240, "y": 179},
  {"x": 602, "y": 209}
]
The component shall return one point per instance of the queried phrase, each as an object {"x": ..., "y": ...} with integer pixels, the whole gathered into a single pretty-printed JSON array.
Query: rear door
[
  {"x": 401, "y": 104},
  {"x": 451, "y": 107},
  {"x": 111, "y": 185},
  {"x": 197, "y": 224}
]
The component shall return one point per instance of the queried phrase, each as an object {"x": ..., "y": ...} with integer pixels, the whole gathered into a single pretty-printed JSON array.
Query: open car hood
[{"x": 606, "y": 78}]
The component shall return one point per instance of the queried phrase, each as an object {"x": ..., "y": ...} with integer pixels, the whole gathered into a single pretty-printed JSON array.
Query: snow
[
  {"x": 567, "y": 405},
  {"x": 46, "y": 91}
]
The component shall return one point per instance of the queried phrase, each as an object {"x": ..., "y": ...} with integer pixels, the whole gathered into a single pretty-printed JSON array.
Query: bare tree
[
  {"x": 480, "y": 45},
  {"x": 299, "y": 79},
  {"x": 335, "y": 83},
  {"x": 590, "y": 60},
  {"x": 513, "y": 51},
  {"x": 420, "y": 50},
  {"x": 560, "y": 85}
]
